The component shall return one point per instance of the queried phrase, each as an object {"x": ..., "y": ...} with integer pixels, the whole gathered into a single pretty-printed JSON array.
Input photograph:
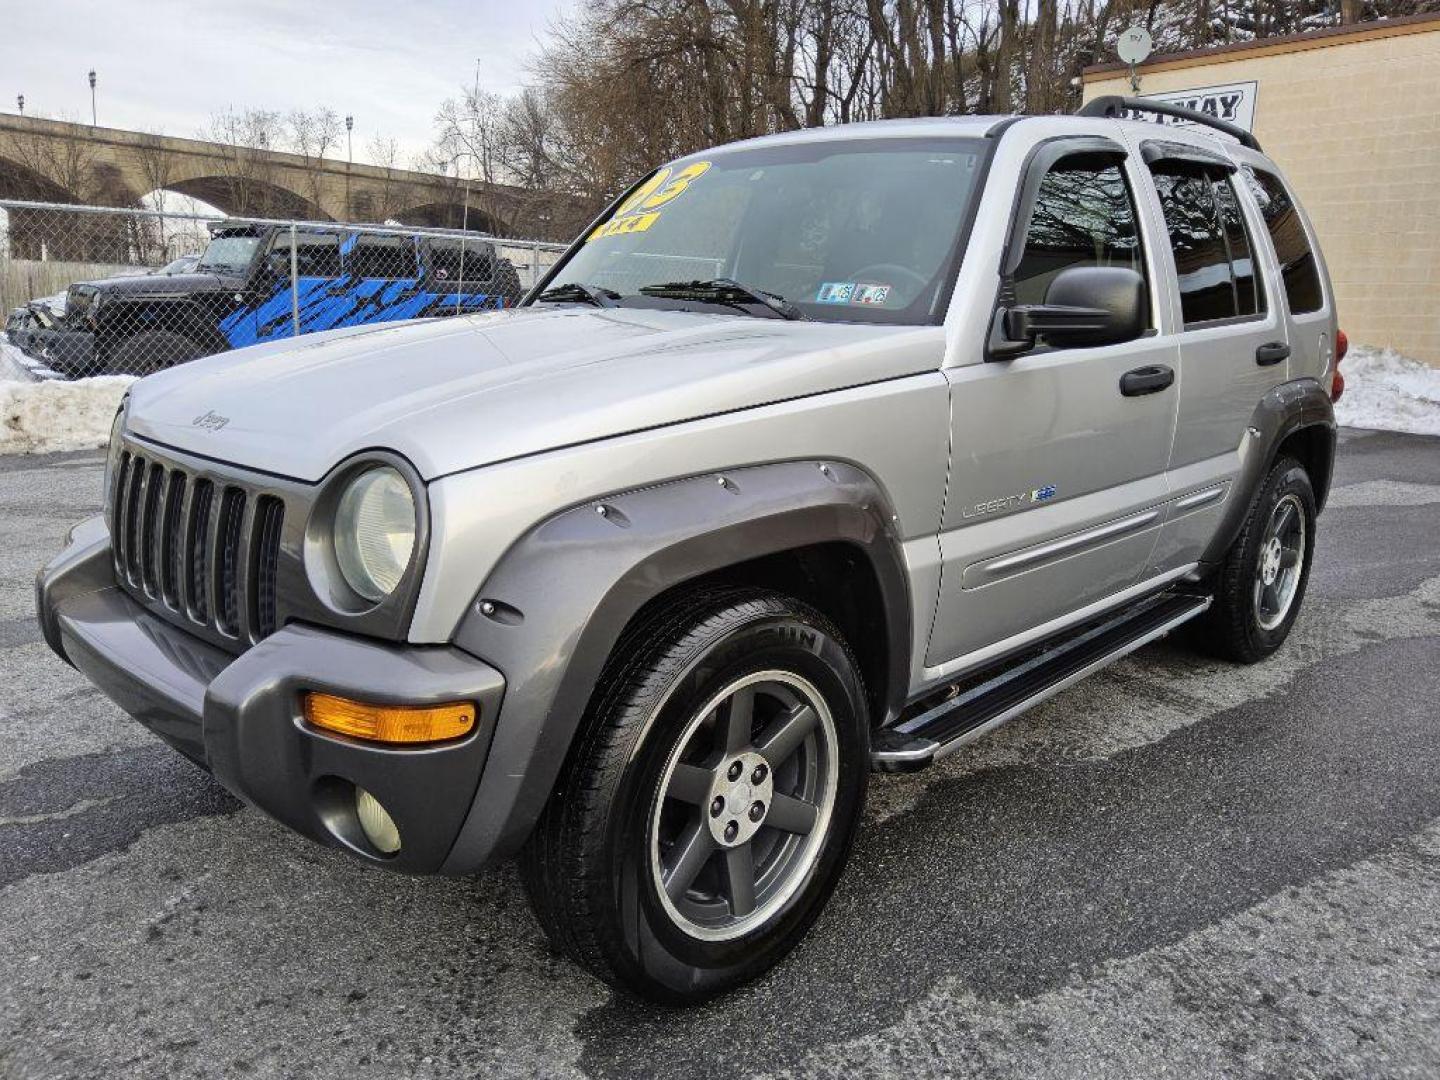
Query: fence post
[
  {"x": 534, "y": 263},
  {"x": 294, "y": 281}
]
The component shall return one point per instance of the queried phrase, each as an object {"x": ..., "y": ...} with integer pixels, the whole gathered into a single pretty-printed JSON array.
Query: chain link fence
[{"x": 101, "y": 291}]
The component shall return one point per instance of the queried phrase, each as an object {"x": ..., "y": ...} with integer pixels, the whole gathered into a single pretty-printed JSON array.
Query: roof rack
[{"x": 1115, "y": 107}]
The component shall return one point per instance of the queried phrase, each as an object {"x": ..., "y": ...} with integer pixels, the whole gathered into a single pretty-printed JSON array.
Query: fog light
[
  {"x": 379, "y": 826},
  {"x": 390, "y": 723}
]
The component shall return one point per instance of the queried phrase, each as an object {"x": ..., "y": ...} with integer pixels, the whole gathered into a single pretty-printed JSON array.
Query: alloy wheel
[
  {"x": 1278, "y": 569},
  {"x": 744, "y": 805}
]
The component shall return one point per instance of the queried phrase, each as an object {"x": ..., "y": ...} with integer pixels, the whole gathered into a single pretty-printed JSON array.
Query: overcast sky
[{"x": 169, "y": 65}]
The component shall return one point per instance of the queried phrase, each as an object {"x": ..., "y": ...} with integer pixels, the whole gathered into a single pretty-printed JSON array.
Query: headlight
[{"x": 375, "y": 532}]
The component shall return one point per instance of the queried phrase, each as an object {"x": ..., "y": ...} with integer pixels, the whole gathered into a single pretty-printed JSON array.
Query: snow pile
[
  {"x": 1389, "y": 392},
  {"x": 36, "y": 417}
]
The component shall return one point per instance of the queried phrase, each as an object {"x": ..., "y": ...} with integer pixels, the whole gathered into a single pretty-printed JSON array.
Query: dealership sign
[{"x": 1233, "y": 103}]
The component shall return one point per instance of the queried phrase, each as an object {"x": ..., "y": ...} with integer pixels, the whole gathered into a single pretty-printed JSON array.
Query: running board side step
[{"x": 920, "y": 740}]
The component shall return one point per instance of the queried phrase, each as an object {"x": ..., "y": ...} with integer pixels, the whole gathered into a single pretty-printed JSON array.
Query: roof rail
[{"x": 1115, "y": 107}]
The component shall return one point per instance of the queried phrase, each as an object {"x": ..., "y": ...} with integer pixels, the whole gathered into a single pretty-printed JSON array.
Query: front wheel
[
  {"x": 1261, "y": 582},
  {"x": 150, "y": 351},
  {"x": 708, "y": 807}
]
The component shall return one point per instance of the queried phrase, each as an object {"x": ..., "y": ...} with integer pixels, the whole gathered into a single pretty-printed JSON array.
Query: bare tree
[
  {"x": 58, "y": 169},
  {"x": 156, "y": 163},
  {"x": 248, "y": 173},
  {"x": 395, "y": 192},
  {"x": 313, "y": 134},
  {"x": 626, "y": 84}
]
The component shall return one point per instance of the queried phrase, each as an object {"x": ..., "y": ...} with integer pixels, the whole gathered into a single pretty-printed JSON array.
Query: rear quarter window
[
  {"x": 1292, "y": 247},
  {"x": 1214, "y": 257},
  {"x": 384, "y": 257}
]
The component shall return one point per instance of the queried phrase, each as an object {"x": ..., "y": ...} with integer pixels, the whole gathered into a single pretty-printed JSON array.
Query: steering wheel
[{"x": 886, "y": 273}]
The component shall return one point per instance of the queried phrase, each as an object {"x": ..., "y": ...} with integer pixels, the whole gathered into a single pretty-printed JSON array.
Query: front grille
[{"x": 199, "y": 550}]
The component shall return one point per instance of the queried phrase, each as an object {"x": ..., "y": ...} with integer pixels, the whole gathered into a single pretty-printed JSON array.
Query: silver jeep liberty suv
[{"x": 817, "y": 454}]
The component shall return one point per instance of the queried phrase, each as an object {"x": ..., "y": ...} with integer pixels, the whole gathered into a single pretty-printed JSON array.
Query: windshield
[
  {"x": 229, "y": 254},
  {"x": 845, "y": 230}
]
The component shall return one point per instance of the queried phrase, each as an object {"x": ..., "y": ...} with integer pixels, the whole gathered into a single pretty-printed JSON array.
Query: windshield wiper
[
  {"x": 726, "y": 291},
  {"x": 577, "y": 292}
]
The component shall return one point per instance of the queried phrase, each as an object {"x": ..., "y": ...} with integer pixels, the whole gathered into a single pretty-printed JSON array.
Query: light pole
[
  {"x": 20, "y": 100},
  {"x": 92, "y": 98},
  {"x": 349, "y": 160}
]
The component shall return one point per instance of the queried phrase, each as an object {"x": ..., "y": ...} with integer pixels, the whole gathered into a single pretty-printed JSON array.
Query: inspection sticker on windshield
[
  {"x": 850, "y": 292},
  {"x": 835, "y": 292}
]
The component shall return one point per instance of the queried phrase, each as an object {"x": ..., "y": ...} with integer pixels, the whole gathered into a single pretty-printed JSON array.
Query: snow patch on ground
[
  {"x": 1385, "y": 391},
  {"x": 39, "y": 417}
]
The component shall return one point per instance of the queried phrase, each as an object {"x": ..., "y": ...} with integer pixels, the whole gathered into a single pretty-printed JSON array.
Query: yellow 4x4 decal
[{"x": 641, "y": 208}]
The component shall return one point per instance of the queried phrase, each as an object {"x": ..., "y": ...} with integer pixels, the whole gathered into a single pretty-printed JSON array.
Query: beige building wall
[{"x": 1354, "y": 121}]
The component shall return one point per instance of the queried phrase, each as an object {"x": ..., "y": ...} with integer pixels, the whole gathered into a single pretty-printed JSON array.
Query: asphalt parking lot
[{"x": 1179, "y": 868}]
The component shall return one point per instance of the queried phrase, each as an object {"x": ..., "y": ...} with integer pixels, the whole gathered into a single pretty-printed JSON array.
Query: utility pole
[
  {"x": 92, "y": 98},
  {"x": 465, "y": 211},
  {"x": 349, "y": 160}
]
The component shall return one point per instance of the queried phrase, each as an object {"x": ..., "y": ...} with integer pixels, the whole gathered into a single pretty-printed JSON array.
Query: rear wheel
[
  {"x": 708, "y": 808},
  {"x": 1261, "y": 583}
]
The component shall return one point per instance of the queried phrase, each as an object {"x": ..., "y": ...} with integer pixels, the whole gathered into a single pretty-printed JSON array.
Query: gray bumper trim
[{"x": 240, "y": 718}]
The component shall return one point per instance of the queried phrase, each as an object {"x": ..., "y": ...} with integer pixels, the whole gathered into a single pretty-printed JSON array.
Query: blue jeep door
[
  {"x": 382, "y": 280},
  {"x": 318, "y": 273}
]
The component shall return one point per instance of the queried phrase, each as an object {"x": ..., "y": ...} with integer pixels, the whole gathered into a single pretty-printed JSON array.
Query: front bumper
[{"x": 239, "y": 716}]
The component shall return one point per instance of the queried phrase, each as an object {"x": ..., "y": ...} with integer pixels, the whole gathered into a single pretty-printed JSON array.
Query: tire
[
  {"x": 153, "y": 350},
  {"x": 508, "y": 281},
  {"x": 1247, "y": 622},
  {"x": 604, "y": 867}
]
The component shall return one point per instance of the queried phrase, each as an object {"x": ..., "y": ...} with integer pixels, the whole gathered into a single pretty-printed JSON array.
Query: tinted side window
[
  {"x": 1084, "y": 216},
  {"x": 1287, "y": 234},
  {"x": 1212, "y": 253},
  {"x": 444, "y": 260},
  {"x": 382, "y": 257},
  {"x": 316, "y": 254},
  {"x": 1249, "y": 291}
]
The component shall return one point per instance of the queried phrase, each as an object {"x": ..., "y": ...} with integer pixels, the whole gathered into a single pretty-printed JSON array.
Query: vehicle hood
[
  {"x": 454, "y": 394},
  {"x": 162, "y": 284}
]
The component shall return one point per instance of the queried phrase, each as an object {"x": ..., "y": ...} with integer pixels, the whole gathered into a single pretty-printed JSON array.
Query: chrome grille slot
[
  {"x": 132, "y": 518},
  {"x": 269, "y": 518},
  {"x": 197, "y": 552},
  {"x": 228, "y": 563},
  {"x": 172, "y": 548},
  {"x": 117, "y": 511},
  {"x": 149, "y": 528}
]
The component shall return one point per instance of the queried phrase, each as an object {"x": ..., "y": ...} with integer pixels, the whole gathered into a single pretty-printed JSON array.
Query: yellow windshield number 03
[{"x": 641, "y": 208}]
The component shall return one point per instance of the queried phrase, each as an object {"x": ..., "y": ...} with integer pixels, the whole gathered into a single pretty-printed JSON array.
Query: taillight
[{"x": 1337, "y": 381}]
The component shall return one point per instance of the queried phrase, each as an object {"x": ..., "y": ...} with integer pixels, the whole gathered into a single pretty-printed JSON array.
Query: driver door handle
[
  {"x": 1146, "y": 380},
  {"x": 1272, "y": 352}
]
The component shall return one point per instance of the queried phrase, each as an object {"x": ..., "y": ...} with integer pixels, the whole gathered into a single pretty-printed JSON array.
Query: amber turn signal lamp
[{"x": 389, "y": 723}]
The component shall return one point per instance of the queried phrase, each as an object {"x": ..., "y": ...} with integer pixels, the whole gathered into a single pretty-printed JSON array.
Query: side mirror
[{"x": 1084, "y": 306}]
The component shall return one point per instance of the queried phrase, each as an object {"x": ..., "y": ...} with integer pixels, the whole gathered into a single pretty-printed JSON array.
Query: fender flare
[
  {"x": 556, "y": 603},
  {"x": 1287, "y": 408},
  {"x": 182, "y": 315}
]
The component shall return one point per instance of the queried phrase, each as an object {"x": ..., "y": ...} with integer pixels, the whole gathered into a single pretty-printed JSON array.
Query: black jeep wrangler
[{"x": 263, "y": 281}]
